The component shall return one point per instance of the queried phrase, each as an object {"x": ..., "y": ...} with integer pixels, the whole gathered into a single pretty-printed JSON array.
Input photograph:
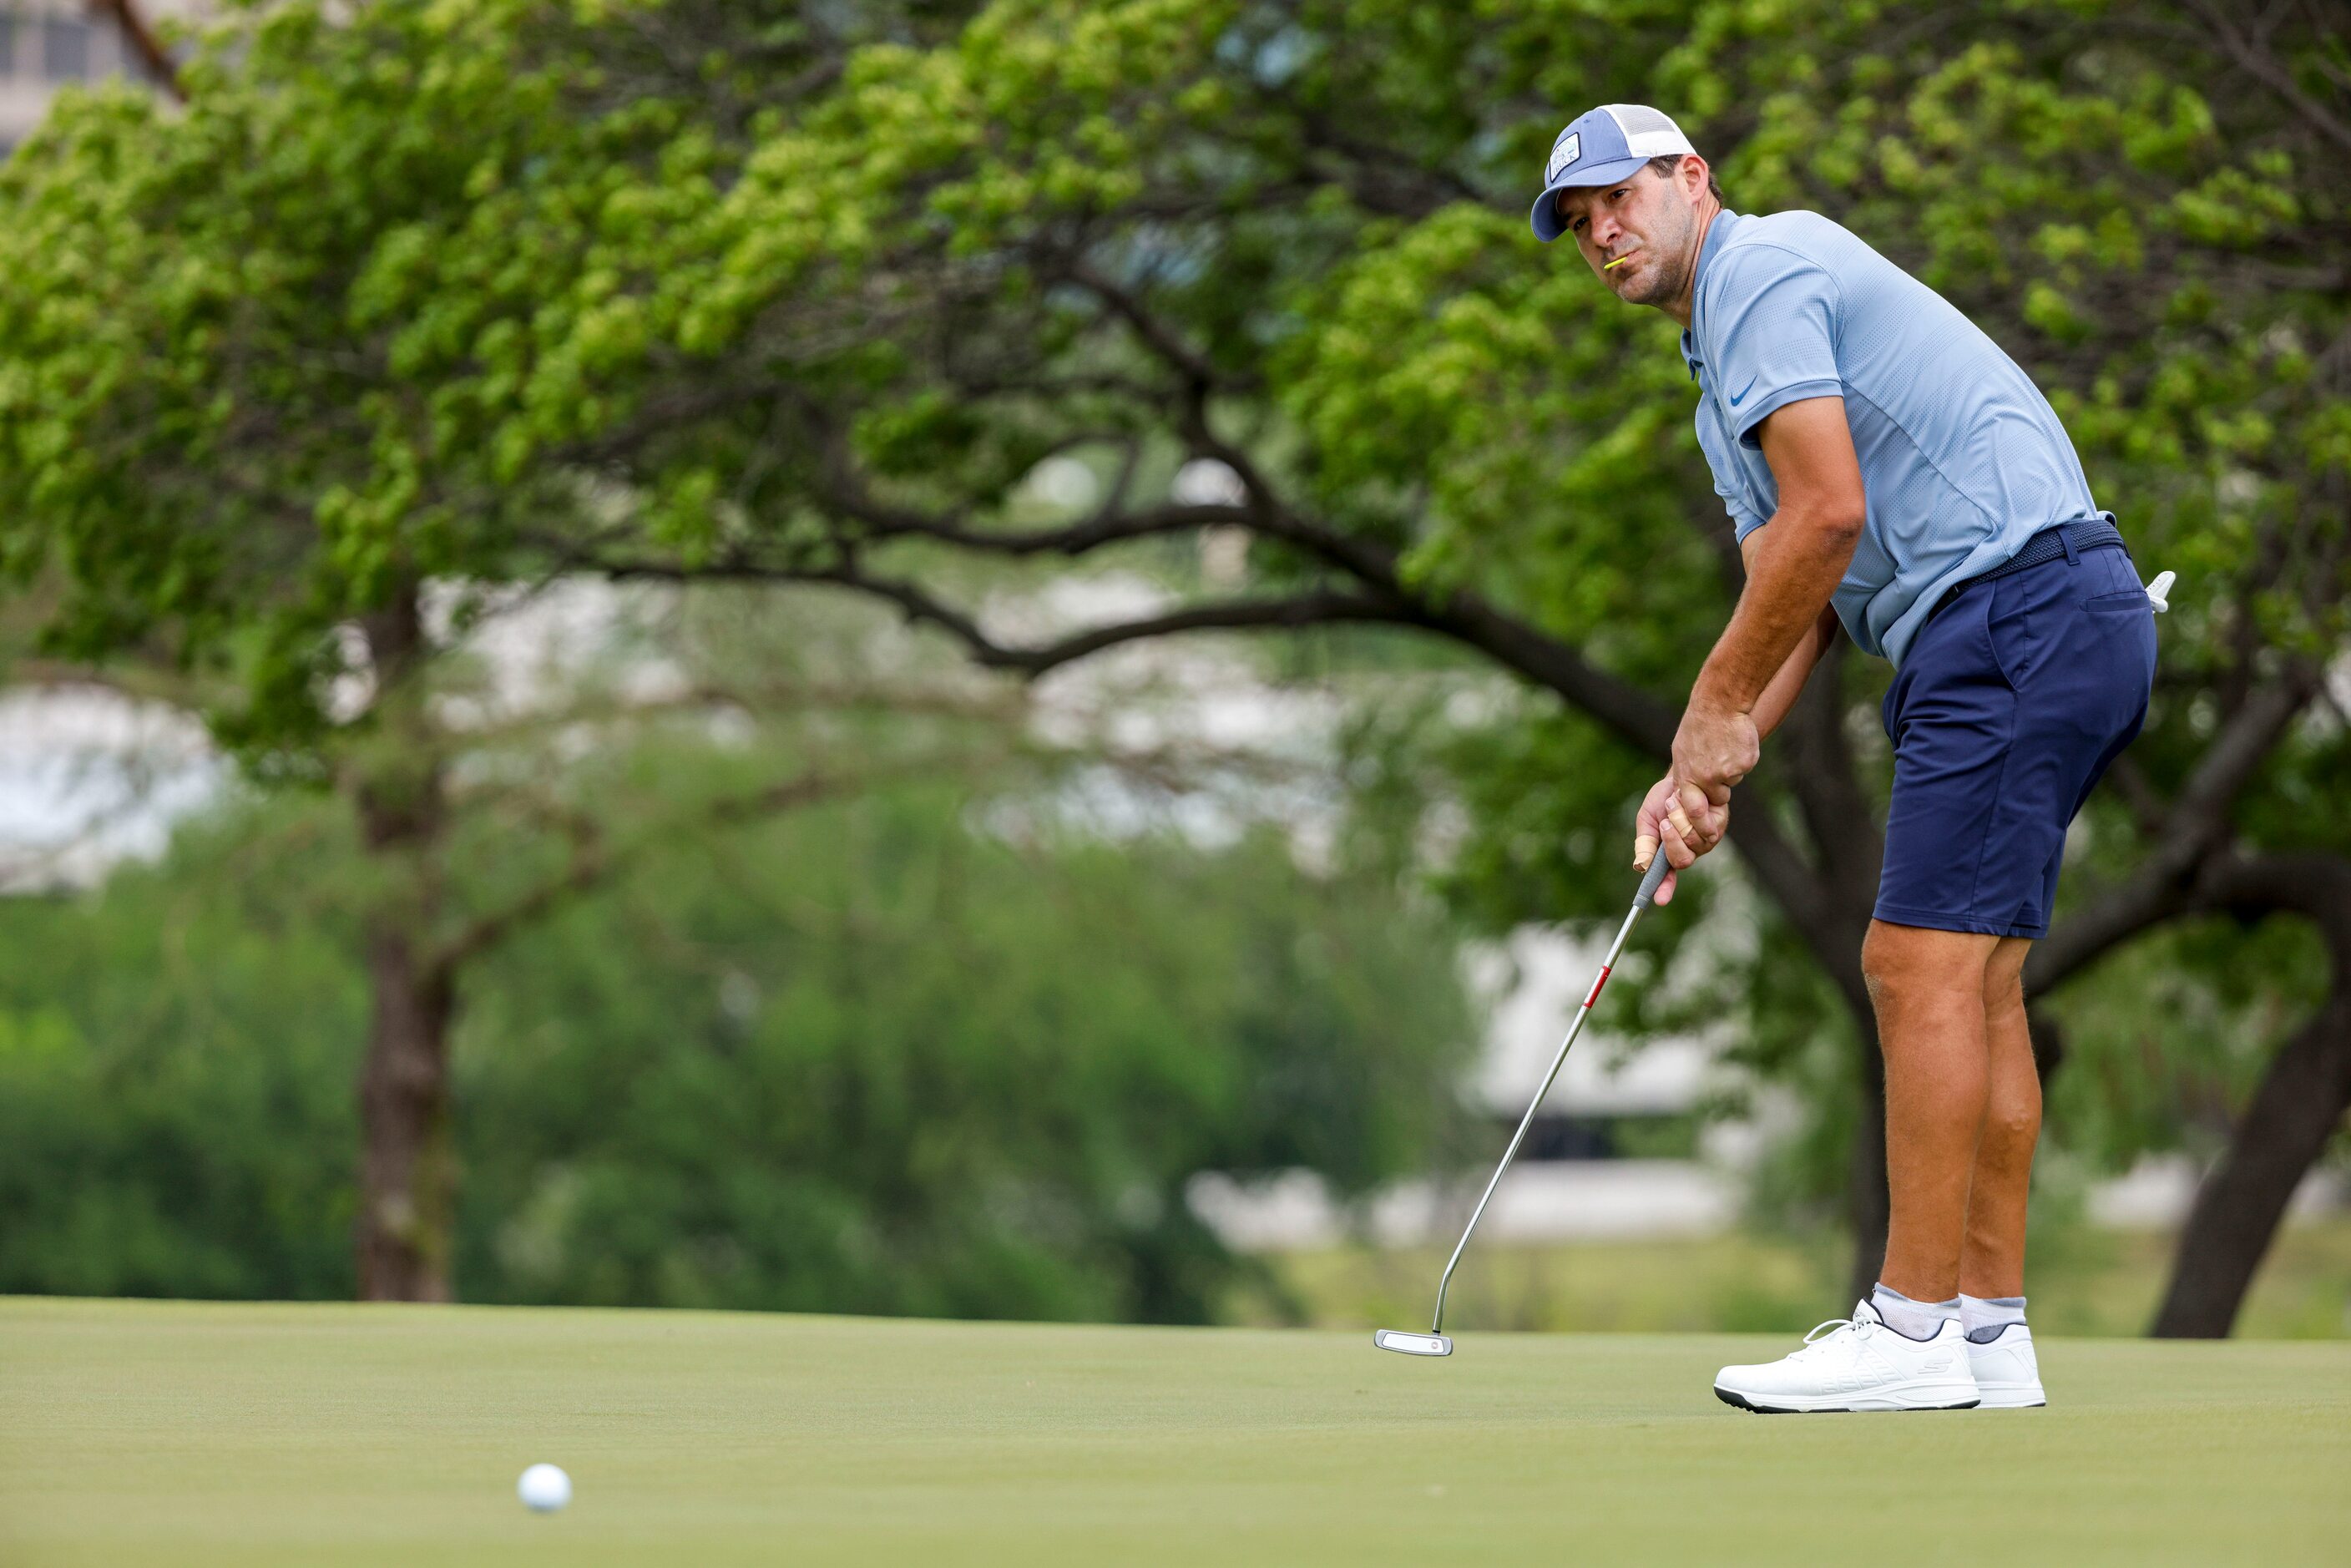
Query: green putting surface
[{"x": 192, "y": 1433}]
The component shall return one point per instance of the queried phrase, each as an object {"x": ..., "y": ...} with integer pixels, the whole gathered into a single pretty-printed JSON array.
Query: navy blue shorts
[{"x": 2009, "y": 705}]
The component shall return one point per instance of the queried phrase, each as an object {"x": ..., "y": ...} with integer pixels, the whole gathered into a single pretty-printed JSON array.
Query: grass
[
  {"x": 198, "y": 1434},
  {"x": 2083, "y": 1282}
]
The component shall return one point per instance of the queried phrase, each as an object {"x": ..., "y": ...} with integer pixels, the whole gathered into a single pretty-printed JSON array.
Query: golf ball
[{"x": 544, "y": 1489}]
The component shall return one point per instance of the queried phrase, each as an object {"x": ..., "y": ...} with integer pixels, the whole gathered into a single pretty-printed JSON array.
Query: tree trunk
[
  {"x": 1848, "y": 852},
  {"x": 2302, "y": 1100},
  {"x": 407, "y": 1166},
  {"x": 1868, "y": 1205},
  {"x": 407, "y": 1170},
  {"x": 2301, "y": 1103}
]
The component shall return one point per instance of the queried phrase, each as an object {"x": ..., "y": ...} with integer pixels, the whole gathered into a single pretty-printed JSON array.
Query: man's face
[{"x": 1648, "y": 219}]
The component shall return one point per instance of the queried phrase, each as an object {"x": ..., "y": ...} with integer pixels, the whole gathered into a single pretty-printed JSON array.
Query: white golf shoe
[
  {"x": 2007, "y": 1371},
  {"x": 1859, "y": 1364}
]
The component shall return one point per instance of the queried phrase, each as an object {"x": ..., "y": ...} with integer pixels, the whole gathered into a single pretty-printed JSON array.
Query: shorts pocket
[
  {"x": 2121, "y": 603},
  {"x": 2008, "y": 633}
]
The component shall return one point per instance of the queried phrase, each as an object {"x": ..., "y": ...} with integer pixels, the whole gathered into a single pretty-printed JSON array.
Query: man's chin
[{"x": 1639, "y": 284}]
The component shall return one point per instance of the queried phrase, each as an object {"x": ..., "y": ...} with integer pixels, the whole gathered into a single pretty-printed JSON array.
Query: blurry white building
[
  {"x": 1617, "y": 1150},
  {"x": 46, "y": 45}
]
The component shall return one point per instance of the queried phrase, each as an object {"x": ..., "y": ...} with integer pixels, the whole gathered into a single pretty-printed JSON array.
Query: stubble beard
[{"x": 1669, "y": 259}]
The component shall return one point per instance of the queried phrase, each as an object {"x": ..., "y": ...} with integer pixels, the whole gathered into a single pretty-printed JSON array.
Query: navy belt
[{"x": 2058, "y": 543}]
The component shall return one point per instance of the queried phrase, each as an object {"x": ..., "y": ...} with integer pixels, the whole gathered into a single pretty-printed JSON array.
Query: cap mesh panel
[{"x": 1634, "y": 119}]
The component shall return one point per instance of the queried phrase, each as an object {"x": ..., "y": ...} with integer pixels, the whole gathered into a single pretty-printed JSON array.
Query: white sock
[
  {"x": 1984, "y": 1316},
  {"x": 1913, "y": 1320}
]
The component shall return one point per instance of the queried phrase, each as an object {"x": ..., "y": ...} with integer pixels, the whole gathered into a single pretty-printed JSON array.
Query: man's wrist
[{"x": 1710, "y": 696}]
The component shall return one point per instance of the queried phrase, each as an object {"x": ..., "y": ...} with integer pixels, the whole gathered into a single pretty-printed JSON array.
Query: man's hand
[
  {"x": 1715, "y": 748},
  {"x": 1679, "y": 822},
  {"x": 1686, "y": 812}
]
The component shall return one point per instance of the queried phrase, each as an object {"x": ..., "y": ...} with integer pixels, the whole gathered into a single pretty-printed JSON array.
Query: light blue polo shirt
[{"x": 1962, "y": 459}]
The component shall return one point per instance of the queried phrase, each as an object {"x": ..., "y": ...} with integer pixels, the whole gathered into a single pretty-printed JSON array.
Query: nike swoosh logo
[{"x": 1743, "y": 391}]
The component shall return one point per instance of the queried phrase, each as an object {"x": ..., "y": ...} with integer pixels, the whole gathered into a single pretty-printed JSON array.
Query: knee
[
  {"x": 1880, "y": 962},
  {"x": 1899, "y": 965},
  {"x": 2003, "y": 996}
]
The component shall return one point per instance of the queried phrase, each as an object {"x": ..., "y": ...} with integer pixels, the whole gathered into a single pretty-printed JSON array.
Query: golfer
[{"x": 1888, "y": 470}]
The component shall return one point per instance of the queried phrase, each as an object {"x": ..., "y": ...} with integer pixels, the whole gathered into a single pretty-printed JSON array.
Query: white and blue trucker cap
[{"x": 1600, "y": 149}]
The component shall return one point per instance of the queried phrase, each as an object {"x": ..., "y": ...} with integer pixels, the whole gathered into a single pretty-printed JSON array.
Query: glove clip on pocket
[{"x": 2159, "y": 592}]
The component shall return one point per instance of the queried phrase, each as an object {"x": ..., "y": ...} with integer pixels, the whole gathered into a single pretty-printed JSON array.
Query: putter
[{"x": 1435, "y": 1343}]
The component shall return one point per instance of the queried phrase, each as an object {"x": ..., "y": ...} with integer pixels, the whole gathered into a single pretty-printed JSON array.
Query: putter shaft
[{"x": 1648, "y": 887}]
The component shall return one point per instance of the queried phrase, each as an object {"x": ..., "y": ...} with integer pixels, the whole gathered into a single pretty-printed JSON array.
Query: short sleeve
[
  {"x": 1773, "y": 318},
  {"x": 1714, "y": 440},
  {"x": 1744, "y": 518}
]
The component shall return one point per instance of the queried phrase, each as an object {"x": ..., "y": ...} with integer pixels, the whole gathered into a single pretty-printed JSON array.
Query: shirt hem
[{"x": 1779, "y": 399}]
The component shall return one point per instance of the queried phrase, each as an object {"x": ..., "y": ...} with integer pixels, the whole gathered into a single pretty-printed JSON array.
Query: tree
[
  {"x": 2168, "y": 259},
  {"x": 869, "y": 1056},
  {"x": 1224, "y": 261},
  {"x": 665, "y": 315},
  {"x": 215, "y": 511}
]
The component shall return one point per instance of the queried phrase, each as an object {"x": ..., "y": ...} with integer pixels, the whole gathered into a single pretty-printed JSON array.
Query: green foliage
[
  {"x": 404, "y": 345},
  {"x": 2142, "y": 244},
  {"x": 734, "y": 289},
  {"x": 861, "y": 1059},
  {"x": 176, "y": 1065},
  {"x": 2167, "y": 1038}
]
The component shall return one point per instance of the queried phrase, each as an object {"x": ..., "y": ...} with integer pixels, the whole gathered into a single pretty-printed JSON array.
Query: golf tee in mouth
[{"x": 1621, "y": 260}]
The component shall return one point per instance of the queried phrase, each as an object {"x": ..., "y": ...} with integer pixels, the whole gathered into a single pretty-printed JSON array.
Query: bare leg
[
  {"x": 1928, "y": 989},
  {"x": 1991, "y": 1263}
]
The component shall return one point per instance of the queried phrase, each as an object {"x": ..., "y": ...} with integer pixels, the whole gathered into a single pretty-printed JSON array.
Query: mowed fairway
[{"x": 137, "y": 1433}]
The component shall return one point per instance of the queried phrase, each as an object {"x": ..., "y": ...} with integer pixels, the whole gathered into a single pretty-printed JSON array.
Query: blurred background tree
[
  {"x": 890, "y": 1054},
  {"x": 805, "y": 295}
]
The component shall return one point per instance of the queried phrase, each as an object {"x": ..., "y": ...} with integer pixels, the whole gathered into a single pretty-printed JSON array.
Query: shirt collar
[{"x": 1716, "y": 231}]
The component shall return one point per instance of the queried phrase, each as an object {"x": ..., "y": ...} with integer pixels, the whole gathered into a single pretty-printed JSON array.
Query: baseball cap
[{"x": 1599, "y": 149}]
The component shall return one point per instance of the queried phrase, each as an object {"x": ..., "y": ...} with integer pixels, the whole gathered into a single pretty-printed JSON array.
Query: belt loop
[{"x": 2065, "y": 537}]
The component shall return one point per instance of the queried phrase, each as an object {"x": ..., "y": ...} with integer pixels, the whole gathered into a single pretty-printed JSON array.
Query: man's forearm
[
  {"x": 1793, "y": 564},
  {"x": 1785, "y": 688},
  {"x": 1800, "y": 560}
]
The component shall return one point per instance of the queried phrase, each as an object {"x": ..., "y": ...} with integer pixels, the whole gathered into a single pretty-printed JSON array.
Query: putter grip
[{"x": 1658, "y": 867}]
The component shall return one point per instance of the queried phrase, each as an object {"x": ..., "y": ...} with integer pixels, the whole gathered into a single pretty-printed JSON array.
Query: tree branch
[
  {"x": 2164, "y": 884},
  {"x": 136, "y": 682},
  {"x": 143, "y": 43},
  {"x": 593, "y": 864},
  {"x": 2315, "y": 886},
  {"x": 2251, "y": 56},
  {"x": 1320, "y": 606},
  {"x": 1163, "y": 339},
  {"x": 1104, "y": 527}
]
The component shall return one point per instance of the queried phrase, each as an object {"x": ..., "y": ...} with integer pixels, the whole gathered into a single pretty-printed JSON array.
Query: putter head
[{"x": 1404, "y": 1344}]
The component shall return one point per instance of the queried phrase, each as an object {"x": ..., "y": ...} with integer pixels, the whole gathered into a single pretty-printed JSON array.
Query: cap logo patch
[{"x": 1564, "y": 151}]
